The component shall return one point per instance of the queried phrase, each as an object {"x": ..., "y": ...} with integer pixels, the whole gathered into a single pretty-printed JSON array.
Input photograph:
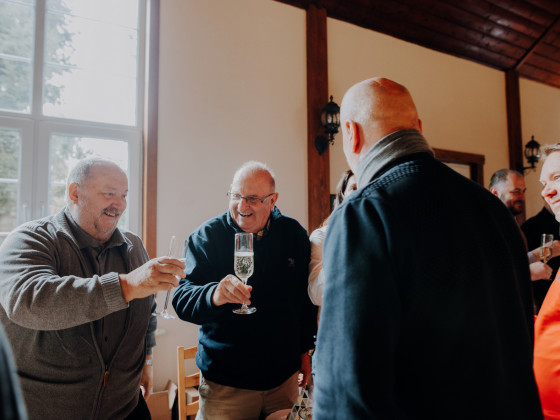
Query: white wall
[
  {"x": 540, "y": 117},
  {"x": 232, "y": 89}
]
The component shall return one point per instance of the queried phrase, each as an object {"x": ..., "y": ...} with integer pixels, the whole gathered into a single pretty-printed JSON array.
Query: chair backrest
[{"x": 186, "y": 384}]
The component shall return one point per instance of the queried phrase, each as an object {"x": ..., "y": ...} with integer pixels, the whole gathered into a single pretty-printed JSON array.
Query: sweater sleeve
[
  {"x": 352, "y": 251},
  {"x": 309, "y": 310},
  {"x": 316, "y": 274},
  {"x": 35, "y": 296},
  {"x": 192, "y": 300}
]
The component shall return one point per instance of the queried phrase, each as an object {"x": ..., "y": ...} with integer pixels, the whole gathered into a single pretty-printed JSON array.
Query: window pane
[
  {"x": 91, "y": 60},
  {"x": 65, "y": 151},
  {"x": 10, "y": 144},
  {"x": 17, "y": 22}
]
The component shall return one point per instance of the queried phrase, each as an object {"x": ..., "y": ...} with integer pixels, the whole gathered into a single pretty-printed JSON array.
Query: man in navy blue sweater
[
  {"x": 249, "y": 363},
  {"x": 427, "y": 309}
]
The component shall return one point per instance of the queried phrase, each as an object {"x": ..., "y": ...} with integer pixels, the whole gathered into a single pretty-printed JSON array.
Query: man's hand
[
  {"x": 305, "y": 370},
  {"x": 540, "y": 271},
  {"x": 157, "y": 274},
  {"x": 231, "y": 290},
  {"x": 146, "y": 382},
  {"x": 555, "y": 251}
]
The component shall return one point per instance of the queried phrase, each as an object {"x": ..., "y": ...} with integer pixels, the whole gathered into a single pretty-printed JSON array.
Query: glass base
[
  {"x": 164, "y": 314},
  {"x": 245, "y": 310}
]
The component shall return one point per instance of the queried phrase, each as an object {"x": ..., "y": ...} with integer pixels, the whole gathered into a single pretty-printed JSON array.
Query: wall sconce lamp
[
  {"x": 330, "y": 119},
  {"x": 532, "y": 153}
]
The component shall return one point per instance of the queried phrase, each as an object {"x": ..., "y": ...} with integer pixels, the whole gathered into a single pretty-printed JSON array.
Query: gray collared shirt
[{"x": 103, "y": 259}]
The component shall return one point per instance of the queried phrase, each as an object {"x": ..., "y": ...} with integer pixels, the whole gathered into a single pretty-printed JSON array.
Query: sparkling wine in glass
[
  {"x": 244, "y": 264},
  {"x": 546, "y": 247}
]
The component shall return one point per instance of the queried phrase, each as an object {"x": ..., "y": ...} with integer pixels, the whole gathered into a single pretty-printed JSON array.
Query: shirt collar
[{"x": 263, "y": 232}]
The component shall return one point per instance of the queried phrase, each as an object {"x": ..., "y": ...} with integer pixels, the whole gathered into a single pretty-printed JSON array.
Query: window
[{"x": 71, "y": 86}]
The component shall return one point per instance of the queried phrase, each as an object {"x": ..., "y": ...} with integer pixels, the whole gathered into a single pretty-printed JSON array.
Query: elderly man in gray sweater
[{"x": 76, "y": 296}]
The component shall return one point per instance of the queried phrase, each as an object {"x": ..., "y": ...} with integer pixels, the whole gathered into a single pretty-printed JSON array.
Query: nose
[
  {"x": 120, "y": 203},
  {"x": 243, "y": 205},
  {"x": 548, "y": 191}
]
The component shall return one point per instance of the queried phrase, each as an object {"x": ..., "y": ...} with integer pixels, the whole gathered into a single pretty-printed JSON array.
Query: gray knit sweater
[{"x": 49, "y": 299}]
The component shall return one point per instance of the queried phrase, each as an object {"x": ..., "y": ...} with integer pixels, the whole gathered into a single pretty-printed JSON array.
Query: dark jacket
[
  {"x": 258, "y": 351},
  {"x": 49, "y": 300},
  {"x": 427, "y": 311}
]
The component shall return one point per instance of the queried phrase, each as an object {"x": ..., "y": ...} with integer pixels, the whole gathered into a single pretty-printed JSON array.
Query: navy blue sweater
[{"x": 258, "y": 351}]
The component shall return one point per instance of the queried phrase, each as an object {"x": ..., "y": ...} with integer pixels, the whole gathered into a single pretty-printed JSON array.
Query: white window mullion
[
  {"x": 38, "y": 57},
  {"x": 41, "y": 181}
]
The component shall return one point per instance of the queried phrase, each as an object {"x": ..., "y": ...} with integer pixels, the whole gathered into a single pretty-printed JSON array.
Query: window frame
[{"x": 36, "y": 129}]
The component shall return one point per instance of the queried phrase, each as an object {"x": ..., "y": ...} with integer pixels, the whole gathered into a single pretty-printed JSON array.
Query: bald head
[
  {"x": 253, "y": 168},
  {"x": 377, "y": 107}
]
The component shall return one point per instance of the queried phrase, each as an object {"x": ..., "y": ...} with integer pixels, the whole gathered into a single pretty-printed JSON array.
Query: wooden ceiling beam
[{"x": 537, "y": 43}]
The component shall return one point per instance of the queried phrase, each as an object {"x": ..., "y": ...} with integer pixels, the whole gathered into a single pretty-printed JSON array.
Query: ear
[
  {"x": 419, "y": 125},
  {"x": 273, "y": 199},
  {"x": 354, "y": 136},
  {"x": 494, "y": 191},
  {"x": 73, "y": 192}
]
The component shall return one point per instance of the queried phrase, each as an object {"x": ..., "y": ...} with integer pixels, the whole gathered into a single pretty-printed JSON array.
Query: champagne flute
[
  {"x": 172, "y": 252},
  {"x": 546, "y": 247},
  {"x": 244, "y": 264}
]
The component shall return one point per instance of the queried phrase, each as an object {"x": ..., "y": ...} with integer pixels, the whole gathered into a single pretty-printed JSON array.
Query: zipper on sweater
[{"x": 106, "y": 376}]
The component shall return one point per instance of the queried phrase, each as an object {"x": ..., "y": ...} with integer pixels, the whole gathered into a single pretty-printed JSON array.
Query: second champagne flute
[
  {"x": 244, "y": 264},
  {"x": 546, "y": 247}
]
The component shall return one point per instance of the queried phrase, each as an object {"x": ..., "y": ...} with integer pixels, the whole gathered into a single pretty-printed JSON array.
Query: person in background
[
  {"x": 547, "y": 324},
  {"x": 12, "y": 406},
  {"x": 76, "y": 297},
  {"x": 509, "y": 186},
  {"x": 533, "y": 229},
  {"x": 427, "y": 310},
  {"x": 345, "y": 187},
  {"x": 249, "y": 363}
]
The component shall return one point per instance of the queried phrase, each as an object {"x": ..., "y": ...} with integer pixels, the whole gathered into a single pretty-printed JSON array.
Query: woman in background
[{"x": 345, "y": 187}]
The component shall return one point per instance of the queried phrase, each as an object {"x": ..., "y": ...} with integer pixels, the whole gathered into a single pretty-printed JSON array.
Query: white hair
[
  {"x": 253, "y": 167},
  {"x": 82, "y": 171}
]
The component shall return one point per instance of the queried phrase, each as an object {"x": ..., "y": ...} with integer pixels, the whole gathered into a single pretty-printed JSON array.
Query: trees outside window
[{"x": 71, "y": 86}]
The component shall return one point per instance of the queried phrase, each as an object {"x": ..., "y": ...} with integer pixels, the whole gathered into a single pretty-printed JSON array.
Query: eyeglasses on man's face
[{"x": 252, "y": 201}]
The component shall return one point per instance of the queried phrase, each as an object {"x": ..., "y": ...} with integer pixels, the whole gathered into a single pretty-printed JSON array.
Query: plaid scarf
[{"x": 263, "y": 232}]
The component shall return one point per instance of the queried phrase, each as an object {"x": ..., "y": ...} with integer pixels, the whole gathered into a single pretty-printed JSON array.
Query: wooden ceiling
[{"x": 520, "y": 35}]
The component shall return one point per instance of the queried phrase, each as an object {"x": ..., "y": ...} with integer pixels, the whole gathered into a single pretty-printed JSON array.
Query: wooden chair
[{"x": 187, "y": 395}]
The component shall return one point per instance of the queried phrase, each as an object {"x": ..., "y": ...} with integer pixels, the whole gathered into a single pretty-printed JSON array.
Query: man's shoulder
[
  {"x": 287, "y": 222},
  {"x": 214, "y": 223}
]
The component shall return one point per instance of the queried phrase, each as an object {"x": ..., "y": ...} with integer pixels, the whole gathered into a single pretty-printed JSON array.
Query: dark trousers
[{"x": 141, "y": 412}]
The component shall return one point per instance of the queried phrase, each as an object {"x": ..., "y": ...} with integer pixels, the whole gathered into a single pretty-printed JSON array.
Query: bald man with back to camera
[{"x": 427, "y": 310}]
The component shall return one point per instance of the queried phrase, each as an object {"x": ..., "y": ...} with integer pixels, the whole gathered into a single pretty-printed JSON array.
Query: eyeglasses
[{"x": 252, "y": 201}]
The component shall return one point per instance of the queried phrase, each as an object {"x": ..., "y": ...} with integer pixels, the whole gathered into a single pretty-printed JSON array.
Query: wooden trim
[
  {"x": 514, "y": 120},
  {"x": 318, "y": 182},
  {"x": 150, "y": 144},
  {"x": 474, "y": 161}
]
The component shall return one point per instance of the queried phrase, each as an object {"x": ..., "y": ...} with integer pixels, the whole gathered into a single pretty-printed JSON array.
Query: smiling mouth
[
  {"x": 111, "y": 213},
  {"x": 245, "y": 215}
]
